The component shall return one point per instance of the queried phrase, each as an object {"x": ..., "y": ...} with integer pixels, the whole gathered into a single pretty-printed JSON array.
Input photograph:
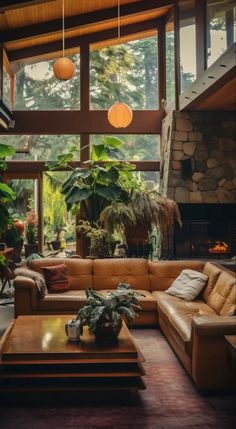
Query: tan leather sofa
[{"x": 195, "y": 329}]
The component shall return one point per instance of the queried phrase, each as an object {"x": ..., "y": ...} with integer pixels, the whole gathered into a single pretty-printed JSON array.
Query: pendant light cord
[
  {"x": 63, "y": 28},
  {"x": 119, "y": 53}
]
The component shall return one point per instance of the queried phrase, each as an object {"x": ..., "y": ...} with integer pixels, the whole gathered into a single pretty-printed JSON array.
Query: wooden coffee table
[{"x": 37, "y": 356}]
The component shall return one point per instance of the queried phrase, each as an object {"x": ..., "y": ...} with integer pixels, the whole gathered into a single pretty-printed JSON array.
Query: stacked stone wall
[{"x": 207, "y": 141}]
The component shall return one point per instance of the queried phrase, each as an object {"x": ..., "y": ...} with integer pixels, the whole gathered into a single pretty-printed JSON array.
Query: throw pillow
[
  {"x": 188, "y": 285},
  {"x": 56, "y": 278}
]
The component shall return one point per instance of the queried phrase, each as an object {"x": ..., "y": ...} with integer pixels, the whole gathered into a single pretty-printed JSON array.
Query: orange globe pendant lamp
[
  {"x": 63, "y": 68},
  {"x": 119, "y": 115}
]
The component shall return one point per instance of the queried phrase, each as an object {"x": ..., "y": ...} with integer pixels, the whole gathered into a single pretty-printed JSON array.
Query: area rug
[{"x": 170, "y": 401}]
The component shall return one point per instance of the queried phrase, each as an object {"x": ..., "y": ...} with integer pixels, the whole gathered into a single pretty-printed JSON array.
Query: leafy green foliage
[
  {"x": 110, "y": 308},
  {"x": 102, "y": 181},
  {"x": 6, "y": 193}
]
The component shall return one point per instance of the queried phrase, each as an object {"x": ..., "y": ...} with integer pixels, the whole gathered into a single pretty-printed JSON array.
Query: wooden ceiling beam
[
  {"x": 14, "y": 4},
  {"x": 82, "y": 20},
  {"x": 37, "y": 51},
  {"x": 74, "y": 122}
]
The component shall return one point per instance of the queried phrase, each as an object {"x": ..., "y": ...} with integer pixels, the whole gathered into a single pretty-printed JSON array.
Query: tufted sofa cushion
[
  {"x": 107, "y": 273},
  {"x": 213, "y": 272},
  {"x": 163, "y": 273},
  {"x": 222, "y": 299}
]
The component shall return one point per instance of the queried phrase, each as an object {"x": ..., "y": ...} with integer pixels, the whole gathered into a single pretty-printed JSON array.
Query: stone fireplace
[
  {"x": 205, "y": 233},
  {"x": 198, "y": 171}
]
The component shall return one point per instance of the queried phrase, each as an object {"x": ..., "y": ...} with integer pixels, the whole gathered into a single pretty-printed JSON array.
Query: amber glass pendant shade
[
  {"x": 120, "y": 115},
  {"x": 63, "y": 68}
]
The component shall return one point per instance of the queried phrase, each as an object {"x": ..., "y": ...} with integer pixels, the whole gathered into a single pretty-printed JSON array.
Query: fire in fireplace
[
  {"x": 219, "y": 247},
  {"x": 209, "y": 231}
]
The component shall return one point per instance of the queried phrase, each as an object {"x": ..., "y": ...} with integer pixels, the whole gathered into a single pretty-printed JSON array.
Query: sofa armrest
[
  {"x": 212, "y": 366},
  {"x": 26, "y": 295},
  {"x": 213, "y": 324},
  {"x": 24, "y": 282}
]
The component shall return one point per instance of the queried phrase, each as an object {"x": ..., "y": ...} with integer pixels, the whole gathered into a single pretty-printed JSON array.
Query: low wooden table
[{"x": 37, "y": 356}]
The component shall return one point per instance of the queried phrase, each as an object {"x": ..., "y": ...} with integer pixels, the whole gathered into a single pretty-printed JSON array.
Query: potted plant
[
  {"x": 104, "y": 179},
  {"x": 101, "y": 243},
  {"x": 31, "y": 233},
  {"x": 144, "y": 211},
  {"x": 103, "y": 314}
]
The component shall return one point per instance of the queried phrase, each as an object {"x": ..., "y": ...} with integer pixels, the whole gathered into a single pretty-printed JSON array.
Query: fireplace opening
[{"x": 209, "y": 231}]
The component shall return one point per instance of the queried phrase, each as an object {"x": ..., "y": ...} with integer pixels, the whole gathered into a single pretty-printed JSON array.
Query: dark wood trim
[
  {"x": 77, "y": 122},
  {"x": 84, "y": 147},
  {"x": 36, "y": 51},
  {"x": 230, "y": 27},
  {"x": 161, "y": 62},
  {"x": 39, "y": 197},
  {"x": 201, "y": 49},
  {"x": 14, "y": 4},
  {"x": 177, "y": 57},
  {"x": 222, "y": 70},
  {"x": 31, "y": 168},
  {"x": 84, "y": 76},
  {"x": 82, "y": 20}
]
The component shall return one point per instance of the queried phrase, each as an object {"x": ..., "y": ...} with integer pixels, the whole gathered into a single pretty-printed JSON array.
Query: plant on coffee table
[{"x": 103, "y": 314}]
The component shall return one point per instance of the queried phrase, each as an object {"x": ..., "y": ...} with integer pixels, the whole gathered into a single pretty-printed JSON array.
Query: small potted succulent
[{"x": 103, "y": 314}]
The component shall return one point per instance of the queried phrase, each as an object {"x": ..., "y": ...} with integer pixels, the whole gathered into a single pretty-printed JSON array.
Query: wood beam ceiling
[
  {"x": 82, "y": 20},
  {"x": 14, "y": 4},
  {"x": 36, "y": 51}
]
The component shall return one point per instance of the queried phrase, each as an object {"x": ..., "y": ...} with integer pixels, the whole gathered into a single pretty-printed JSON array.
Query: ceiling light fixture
[
  {"x": 120, "y": 114},
  {"x": 63, "y": 68}
]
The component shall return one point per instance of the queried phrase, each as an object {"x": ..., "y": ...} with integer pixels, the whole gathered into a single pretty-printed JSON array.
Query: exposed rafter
[
  {"x": 36, "y": 51},
  {"x": 14, "y": 4},
  {"x": 81, "y": 21}
]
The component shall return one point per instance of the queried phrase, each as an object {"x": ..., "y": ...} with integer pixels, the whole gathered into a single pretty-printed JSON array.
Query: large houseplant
[
  {"x": 103, "y": 314},
  {"x": 102, "y": 180},
  {"x": 145, "y": 211}
]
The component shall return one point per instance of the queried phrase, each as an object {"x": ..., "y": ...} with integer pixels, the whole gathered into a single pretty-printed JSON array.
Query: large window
[
  {"x": 187, "y": 43},
  {"x": 221, "y": 24},
  {"x": 36, "y": 88},
  {"x": 128, "y": 71},
  {"x": 40, "y": 148},
  {"x": 136, "y": 147},
  {"x": 170, "y": 61}
]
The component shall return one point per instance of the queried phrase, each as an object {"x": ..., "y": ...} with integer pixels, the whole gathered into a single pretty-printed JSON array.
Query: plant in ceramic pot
[
  {"x": 103, "y": 314},
  {"x": 31, "y": 233}
]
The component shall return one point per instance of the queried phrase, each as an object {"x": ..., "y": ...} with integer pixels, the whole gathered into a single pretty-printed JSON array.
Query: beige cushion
[{"x": 188, "y": 285}]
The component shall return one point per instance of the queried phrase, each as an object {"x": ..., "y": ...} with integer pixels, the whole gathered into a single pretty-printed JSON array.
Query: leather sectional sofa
[{"x": 195, "y": 329}]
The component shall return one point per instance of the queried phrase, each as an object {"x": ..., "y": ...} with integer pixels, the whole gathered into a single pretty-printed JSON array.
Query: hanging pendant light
[
  {"x": 119, "y": 115},
  {"x": 63, "y": 68}
]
